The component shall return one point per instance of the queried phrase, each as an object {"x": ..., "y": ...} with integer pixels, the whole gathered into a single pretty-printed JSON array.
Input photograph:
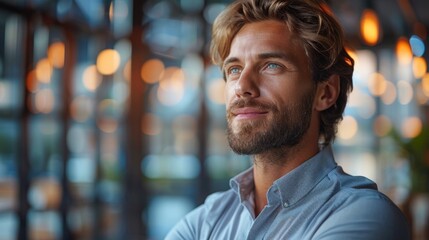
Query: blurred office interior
[{"x": 112, "y": 116}]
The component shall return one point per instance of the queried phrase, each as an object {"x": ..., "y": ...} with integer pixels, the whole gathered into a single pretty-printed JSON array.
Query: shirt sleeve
[
  {"x": 188, "y": 227},
  {"x": 369, "y": 219}
]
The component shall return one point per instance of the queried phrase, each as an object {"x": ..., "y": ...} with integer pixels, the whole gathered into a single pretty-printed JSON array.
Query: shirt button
[{"x": 285, "y": 204}]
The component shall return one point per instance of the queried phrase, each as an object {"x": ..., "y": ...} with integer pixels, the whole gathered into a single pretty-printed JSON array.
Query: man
[{"x": 287, "y": 80}]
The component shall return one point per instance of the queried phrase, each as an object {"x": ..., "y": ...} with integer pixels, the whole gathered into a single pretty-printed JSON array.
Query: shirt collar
[
  {"x": 294, "y": 185},
  {"x": 243, "y": 184}
]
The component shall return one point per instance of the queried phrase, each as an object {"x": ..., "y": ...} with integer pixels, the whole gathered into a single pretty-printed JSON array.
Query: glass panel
[
  {"x": 44, "y": 225},
  {"x": 8, "y": 226},
  {"x": 173, "y": 207}
]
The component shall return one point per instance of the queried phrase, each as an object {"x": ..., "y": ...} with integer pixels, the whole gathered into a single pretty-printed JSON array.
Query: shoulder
[{"x": 363, "y": 213}]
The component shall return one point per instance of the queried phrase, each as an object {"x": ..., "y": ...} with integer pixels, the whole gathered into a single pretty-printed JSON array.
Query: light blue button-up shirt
[{"x": 317, "y": 200}]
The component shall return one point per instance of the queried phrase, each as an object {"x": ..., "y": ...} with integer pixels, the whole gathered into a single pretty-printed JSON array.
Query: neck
[{"x": 272, "y": 165}]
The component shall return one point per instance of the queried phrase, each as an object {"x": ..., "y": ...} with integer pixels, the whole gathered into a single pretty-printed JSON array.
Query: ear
[{"x": 327, "y": 93}]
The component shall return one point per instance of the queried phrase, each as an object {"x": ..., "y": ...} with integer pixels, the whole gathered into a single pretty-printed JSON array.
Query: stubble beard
[{"x": 283, "y": 130}]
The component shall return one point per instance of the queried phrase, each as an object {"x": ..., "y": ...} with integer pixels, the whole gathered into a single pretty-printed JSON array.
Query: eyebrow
[
  {"x": 275, "y": 55},
  {"x": 261, "y": 56},
  {"x": 228, "y": 61}
]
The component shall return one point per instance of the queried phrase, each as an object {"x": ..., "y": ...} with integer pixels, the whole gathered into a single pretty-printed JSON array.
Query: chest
[{"x": 274, "y": 222}]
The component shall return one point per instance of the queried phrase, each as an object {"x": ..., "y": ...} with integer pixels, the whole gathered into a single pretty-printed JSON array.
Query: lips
[{"x": 248, "y": 112}]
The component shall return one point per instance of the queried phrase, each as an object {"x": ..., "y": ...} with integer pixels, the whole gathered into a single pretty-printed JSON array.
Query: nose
[{"x": 246, "y": 86}]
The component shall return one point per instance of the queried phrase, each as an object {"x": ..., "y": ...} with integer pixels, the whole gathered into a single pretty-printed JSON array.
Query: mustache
[{"x": 241, "y": 103}]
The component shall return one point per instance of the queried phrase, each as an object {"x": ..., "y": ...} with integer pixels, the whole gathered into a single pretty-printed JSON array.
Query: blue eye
[
  {"x": 234, "y": 70},
  {"x": 273, "y": 65}
]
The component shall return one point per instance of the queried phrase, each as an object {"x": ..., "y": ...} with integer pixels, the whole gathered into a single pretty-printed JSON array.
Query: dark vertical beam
[
  {"x": 134, "y": 191},
  {"x": 69, "y": 64},
  {"x": 24, "y": 146},
  {"x": 203, "y": 121}
]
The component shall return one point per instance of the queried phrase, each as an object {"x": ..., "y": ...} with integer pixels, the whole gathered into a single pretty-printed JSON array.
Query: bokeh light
[
  {"x": 411, "y": 127},
  {"x": 417, "y": 45},
  {"x": 81, "y": 108},
  {"x": 419, "y": 67},
  {"x": 108, "y": 61},
  {"x": 44, "y": 70},
  {"x": 193, "y": 67},
  {"x": 31, "y": 81},
  {"x": 389, "y": 96},
  {"x": 91, "y": 78},
  {"x": 377, "y": 84},
  {"x": 56, "y": 54},
  {"x": 152, "y": 71},
  {"x": 363, "y": 102},
  {"x": 425, "y": 84},
  {"x": 403, "y": 51},
  {"x": 171, "y": 86},
  {"x": 109, "y": 111},
  {"x": 405, "y": 92},
  {"x": 347, "y": 128},
  {"x": 382, "y": 125},
  {"x": 45, "y": 193},
  {"x": 370, "y": 27},
  {"x": 44, "y": 101},
  {"x": 127, "y": 71}
]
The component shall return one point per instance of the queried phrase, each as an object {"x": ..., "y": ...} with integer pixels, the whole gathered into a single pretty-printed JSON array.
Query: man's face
[{"x": 269, "y": 89}]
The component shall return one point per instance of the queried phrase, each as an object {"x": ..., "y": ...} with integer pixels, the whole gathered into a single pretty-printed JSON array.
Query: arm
[{"x": 187, "y": 228}]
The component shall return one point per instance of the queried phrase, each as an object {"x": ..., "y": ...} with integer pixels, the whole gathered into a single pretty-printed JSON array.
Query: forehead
[{"x": 266, "y": 36}]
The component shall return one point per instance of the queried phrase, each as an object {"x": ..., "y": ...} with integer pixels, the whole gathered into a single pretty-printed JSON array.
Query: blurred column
[
  {"x": 69, "y": 65},
  {"x": 135, "y": 197},
  {"x": 23, "y": 157}
]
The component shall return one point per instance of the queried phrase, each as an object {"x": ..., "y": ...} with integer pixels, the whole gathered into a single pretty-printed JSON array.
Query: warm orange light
[
  {"x": 111, "y": 11},
  {"x": 405, "y": 92},
  {"x": 425, "y": 84},
  {"x": 91, "y": 78},
  {"x": 421, "y": 97},
  {"x": 152, "y": 71},
  {"x": 411, "y": 127},
  {"x": 171, "y": 86},
  {"x": 127, "y": 71},
  {"x": 44, "y": 101},
  {"x": 44, "y": 70},
  {"x": 382, "y": 126},
  {"x": 108, "y": 61},
  {"x": 352, "y": 54},
  {"x": 389, "y": 96},
  {"x": 348, "y": 128},
  {"x": 31, "y": 81},
  {"x": 107, "y": 123},
  {"x": 81, "y": 108},
  {"x": 119, "y": 10},
  {"x": 403, "y": 51},
  {"x": 56, "y": 53},
  {"x": 370, "y": 27},
  {"x": 377, "y": 84},
  {"x": 419, "y": 67},
  {"x": 173, "y": 77}
]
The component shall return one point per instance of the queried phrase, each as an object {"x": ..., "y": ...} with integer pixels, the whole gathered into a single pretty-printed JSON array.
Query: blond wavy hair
[{"x": 321, "y": 36}]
